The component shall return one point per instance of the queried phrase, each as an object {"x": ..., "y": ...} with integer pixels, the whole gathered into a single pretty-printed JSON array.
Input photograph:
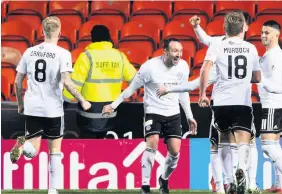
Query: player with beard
[{"x": 162, "y": 115}]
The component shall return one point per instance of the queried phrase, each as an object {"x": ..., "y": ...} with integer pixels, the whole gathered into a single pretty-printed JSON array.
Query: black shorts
[
  {"x": 271, "y": 121},
  {"x": 169, "y": 127},
  {"x": 52, "y": 128},
  {"x": 233, "y": 118}
]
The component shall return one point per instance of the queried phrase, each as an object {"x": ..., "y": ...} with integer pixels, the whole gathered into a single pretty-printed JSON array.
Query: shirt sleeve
[
  {"x": 66, "y": 63},
  {"x": 203, "y": 36},
  {"x": 184, "y": 98},
  {"x": 22, "y": 66},
  {"x": 142, "y": 77},
  {"x": 211, "y": 54},
  {"x": 128, "y": 70},
  {"x": 256, "y": 66}
]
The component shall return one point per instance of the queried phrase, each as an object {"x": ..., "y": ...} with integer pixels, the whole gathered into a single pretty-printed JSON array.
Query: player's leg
[
  {"x": 234, "y": 153},
  {"x": 30, "y": 144},
  {"x": 252, "y": 172},
  {"x": 222, "y": 123},
  {"x": 171, "y": 127},
  {"x": 53, "y": 129},
  {"x": 242, "y": 129},
  {"x": 216, "y": 165},
  {"x": 278, "y": 173},
  {"x": 270, "y": 134},
  {"x": 151, "y": 133},
  {"x": 224, "y": 152}
]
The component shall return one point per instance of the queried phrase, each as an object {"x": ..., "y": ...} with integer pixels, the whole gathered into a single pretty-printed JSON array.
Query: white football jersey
[
  {"x": 43, "y": 65},
  {"x": 235, "y": 60},
  {"x": 271, "y": 67},
  {"x": 153, "y": 73}
]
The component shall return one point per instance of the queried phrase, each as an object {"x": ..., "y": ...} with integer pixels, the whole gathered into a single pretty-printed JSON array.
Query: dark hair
[
  {"x": 100, "y": 33},
  {"x": 234, "y": 23},
  {"x": 272, "y": 24},
  {"x": 168, "y": 41},
  {"x": 247, "y": 17}
]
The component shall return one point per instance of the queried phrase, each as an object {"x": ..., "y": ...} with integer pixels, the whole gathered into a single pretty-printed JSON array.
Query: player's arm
[
  {"x": 129, "y": 70},
  {"x": 201, "y": 34},
  {"x": 204, "y": 74},
  {"x": 188, "y": 86},
  {"x": 272, "y": 86},
  {"x": 66, "y": 69},
  {"x": 21, "y": 73},
  {"x": 142, "y": 76},
  {"x": 184, "y": 100},
  {"x": 256, "y": 72},
  {"x": 78, "y": 76}
]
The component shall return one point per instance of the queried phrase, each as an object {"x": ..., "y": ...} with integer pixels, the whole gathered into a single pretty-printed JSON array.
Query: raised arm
[
  {"x": 201, "y": 34},
  {"x": 142, "y": 76}
]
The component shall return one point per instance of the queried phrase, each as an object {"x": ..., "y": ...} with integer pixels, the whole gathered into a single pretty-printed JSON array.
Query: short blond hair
[
  {"x": 234, "y": 23},
  {"x": 50, "y": 25}
]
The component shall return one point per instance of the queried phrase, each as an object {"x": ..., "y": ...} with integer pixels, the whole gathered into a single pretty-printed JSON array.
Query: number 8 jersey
[
  {"x": 43, "y": 65},
  {"x": 235, "y": 62}
]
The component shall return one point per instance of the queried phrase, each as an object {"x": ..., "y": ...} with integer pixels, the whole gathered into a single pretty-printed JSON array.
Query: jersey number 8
[
  {"x": 40, "y": 73},
  {"x": 243, "y": 67}
]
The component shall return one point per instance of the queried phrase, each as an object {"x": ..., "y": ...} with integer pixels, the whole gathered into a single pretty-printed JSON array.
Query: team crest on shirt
[
  {"x": 41, "y": 47},
  {"x": 179, "y": 75},
  {"x": 231, "y": 43}
]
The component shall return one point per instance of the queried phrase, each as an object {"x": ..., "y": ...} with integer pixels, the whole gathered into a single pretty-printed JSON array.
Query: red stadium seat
[
  {"x": 4, "y": 10},
  {"x": 17, "y": 34},
  {"x": 5, "y": 87},
  {"x": 140, "y": 34},
  {"x": 184, "y": 32},
  {"x": 196, "y": 71},
  {"x": 215, "y": 28},
  {"x": 254, "y": 31},
  {"x": 67, "y": 38},
  {"x": 74, "y": 11},
  {"x": 155, "y": 11},
  {"x": 117, "y": 11},
  {"x": 10, "y": 72},
  {"x": 84, "y": 37},
  {"x": 185, "y": 55},
  {"x": 75, "y": 54},
  {"x": 184, "y": 10},
  {"x": 199, "y": 57},
  {"x": 135, "y": 55},
  {"x": 222, "y": 7},
  {"x": 255, "y": 99},
  {"x": 140, "y": 95},
  {"x": 31, "y": 12},
  {"x": 267, "y": 10},
  {"x": 255, "y": 89},
  {"x": 264, "y": 18}
]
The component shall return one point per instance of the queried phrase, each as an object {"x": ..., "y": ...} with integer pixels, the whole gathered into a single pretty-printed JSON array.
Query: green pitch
[{"x": 104, "y": 191}]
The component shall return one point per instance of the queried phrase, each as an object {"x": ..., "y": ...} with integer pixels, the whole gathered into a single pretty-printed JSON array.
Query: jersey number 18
[
  {"x": 40, "y": 73},
  {"x": 243, "y": 66}
]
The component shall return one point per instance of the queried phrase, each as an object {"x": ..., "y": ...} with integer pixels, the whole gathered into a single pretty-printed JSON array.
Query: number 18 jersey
[
  {"x": 43, "y": 65},
  {"x": 235, "y": 61}
]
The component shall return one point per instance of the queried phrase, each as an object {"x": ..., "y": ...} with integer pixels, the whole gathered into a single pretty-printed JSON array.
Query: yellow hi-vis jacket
[{"x": 99, "y": 72}]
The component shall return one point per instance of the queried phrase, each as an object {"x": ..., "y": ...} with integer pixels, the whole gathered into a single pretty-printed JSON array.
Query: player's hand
[
  {"x": 107, "y": 109},
  {"x": 192, "y": 126},
  {"x": 161, "y": 90},
  {"x": 195, "y": 21},
  {"x": 20, "y": 109},
  {"x": 204, "y": 101},
  {"x": 85, "y": 105}
]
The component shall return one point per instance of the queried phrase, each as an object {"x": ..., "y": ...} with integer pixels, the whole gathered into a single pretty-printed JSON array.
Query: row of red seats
[
  {"x": 122, "y": 11},
  {"x": 142, "y": 34}
]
